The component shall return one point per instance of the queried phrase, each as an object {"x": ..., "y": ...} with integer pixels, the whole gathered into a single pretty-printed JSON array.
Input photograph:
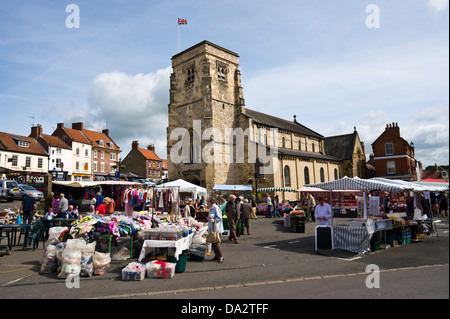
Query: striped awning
[
  {"x": 356, "y": 183},
  {"x": 277, "y": 189}
]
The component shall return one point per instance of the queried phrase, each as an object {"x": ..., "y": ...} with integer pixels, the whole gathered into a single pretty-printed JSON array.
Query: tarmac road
[{"x": 271, "y": 263}]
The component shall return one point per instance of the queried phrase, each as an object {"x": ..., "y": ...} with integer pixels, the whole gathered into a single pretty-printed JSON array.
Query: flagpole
[{"x": 178, "y": 35}]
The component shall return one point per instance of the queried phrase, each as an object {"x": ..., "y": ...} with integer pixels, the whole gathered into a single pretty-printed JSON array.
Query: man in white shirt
[{"x": 323, "y": 212}]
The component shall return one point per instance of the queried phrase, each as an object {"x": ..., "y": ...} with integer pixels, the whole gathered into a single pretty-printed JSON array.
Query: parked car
[
  {"x": 25, "y": 190},
  {"x": 38, "y": 186},
  {"x": 9, "y": 190}
]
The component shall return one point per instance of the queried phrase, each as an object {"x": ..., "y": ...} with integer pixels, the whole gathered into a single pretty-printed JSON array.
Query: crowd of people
[
  {"x": 67, "y": 207},
  {"x": 238, "y": 211}
]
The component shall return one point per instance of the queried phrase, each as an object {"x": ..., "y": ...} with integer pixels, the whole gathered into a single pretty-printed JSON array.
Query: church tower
[{"x": 206, "y": 99}]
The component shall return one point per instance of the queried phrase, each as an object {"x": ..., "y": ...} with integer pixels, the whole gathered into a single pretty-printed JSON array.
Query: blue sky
[{"x": 314, "y": 59}]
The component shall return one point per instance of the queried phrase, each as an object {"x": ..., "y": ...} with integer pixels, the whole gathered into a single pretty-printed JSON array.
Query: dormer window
[
  {"x": 21, "y": 142},
  {"x": 100, "y": 142},
  {"x": 109, "y": 144}
]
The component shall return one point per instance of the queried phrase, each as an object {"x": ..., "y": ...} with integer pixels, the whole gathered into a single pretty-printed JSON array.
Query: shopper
[
  {"x": 72, "y": 201},
  {"x": 232, "y": 216},
  {"x": 102, "y": 209},
  {"x": 63, "y": 206},
  {"x": 28, "y": 206},
  {"x": 254, "y": 208},
  {"x": 310, "y": 207},
  {"x": 215, "y": 215},
  {"x": 269, "y": 206},
  {"x": 72, "y": 212},
  {"x": 48, "y": 202},
  {"x": 55, "y": 207},
  {"x": 99, "y": 199},
  {"x": 323, "y": 212},
  {"x": 246, "y": 210},
  {"x": 190, "y": 209},
  {"x": 443, "y": 205}
]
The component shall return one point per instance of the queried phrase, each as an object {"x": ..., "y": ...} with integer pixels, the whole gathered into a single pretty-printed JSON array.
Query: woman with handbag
[{"x": 215, "y": 229}]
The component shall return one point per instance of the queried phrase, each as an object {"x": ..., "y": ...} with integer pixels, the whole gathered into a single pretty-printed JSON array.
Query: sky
[{"x": 335, "y": 64}]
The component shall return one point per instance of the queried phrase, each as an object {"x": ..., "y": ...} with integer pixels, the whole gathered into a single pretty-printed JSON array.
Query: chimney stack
[
  {"x": 151, "y": 148},
  {"x": 134, "y": 145},
  {"x": 106, "y": 132},
  {"x": 36, "y": 131},
  {"x": 77, "y": 126}
]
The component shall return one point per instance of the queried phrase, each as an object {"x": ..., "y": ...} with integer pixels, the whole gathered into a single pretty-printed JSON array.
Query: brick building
[
  {"x": 143, "y": 162},
  {"x": 393, "y": 156}
]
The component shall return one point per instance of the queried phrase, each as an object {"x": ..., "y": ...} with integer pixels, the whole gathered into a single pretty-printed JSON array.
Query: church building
[{"x": 213, "y": 139}]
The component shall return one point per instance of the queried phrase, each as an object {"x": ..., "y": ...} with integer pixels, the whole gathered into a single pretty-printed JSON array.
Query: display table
[
  {"x": 179, "y": 245},
  {"x": 355, "y": 239}
]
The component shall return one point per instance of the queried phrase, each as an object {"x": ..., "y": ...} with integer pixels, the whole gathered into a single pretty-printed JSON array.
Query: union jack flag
[{"x": 182, "y": 21}]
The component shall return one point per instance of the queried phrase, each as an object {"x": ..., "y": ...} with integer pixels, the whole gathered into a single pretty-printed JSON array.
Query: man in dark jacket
[
  {"x": 28, "y": 206},
  {"x": 232, "y": 216},
  {"x": 246, "y": 212}
]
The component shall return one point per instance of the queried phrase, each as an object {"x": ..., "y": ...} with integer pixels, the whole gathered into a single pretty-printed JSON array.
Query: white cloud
[
  {"x": 133, "y": 107},
  {"x": 438, "y": 5}
]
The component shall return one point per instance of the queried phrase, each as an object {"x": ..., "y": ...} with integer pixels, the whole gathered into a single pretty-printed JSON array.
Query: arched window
[
  {"x": 322, "y": 175},
  {"x": 336, "y": 174},
  {"x": 299, "y": 145},
  {"x": 306, "y": 175},
  {"x": 287, "y": 176},
  {"x": 283, "y": 142},
  {"x": 313, "y": 148}
]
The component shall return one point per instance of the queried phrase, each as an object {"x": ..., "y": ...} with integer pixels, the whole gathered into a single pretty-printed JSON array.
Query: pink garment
[{"x": 128, "y": 207}]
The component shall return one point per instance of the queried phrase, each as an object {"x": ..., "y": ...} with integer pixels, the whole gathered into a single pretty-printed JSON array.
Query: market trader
[{"x": 323, "y": 212}]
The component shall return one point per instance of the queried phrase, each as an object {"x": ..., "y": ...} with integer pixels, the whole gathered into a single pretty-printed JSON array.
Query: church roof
[
  {"x": 340, "y": 146},
  {"x": 276, "y": 122}
]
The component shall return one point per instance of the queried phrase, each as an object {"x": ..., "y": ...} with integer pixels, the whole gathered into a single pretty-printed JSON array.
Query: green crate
[{"x": 180, "y": 263}]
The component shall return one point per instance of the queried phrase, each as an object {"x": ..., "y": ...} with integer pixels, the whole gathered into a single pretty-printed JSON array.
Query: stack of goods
[
  {"x": 160, "y": 269},
  {"x": 298, "y": 212},
  {"x": 169, "y": 232},
  {"x": 191, "y": 223},
  {"x": 134, "y": 272}
]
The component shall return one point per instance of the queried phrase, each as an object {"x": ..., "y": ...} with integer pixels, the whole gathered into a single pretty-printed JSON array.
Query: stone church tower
[{"x": 205, "y": 94}]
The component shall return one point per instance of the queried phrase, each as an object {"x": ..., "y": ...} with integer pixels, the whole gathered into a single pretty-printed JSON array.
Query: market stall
[
  {"x": 186, "y": 191},
  {"x": 87, "y": 246},
  {"x": 355, "y": 234}
]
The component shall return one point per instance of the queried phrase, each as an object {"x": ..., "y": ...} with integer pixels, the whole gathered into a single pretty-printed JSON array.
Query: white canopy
[
  {"x": 414, "y": 186},
  {"x": 236, "y": 188},
  {"x": 347, "y": 183},
  {"x": 186, "y": 187}
]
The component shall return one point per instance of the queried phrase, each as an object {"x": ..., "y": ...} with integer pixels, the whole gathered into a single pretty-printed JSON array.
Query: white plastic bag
[
  {"x": 101, "y": 262},
  {"x": 53, "y": 235}
]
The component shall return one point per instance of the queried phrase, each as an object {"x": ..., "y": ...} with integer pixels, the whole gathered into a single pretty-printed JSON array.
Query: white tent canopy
[
  {"x": 186, "y": 187},
  {"x": 347, "y": 183},
  {"x": 414, "y": 186},
  {"x": 236, "y": 188}
]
